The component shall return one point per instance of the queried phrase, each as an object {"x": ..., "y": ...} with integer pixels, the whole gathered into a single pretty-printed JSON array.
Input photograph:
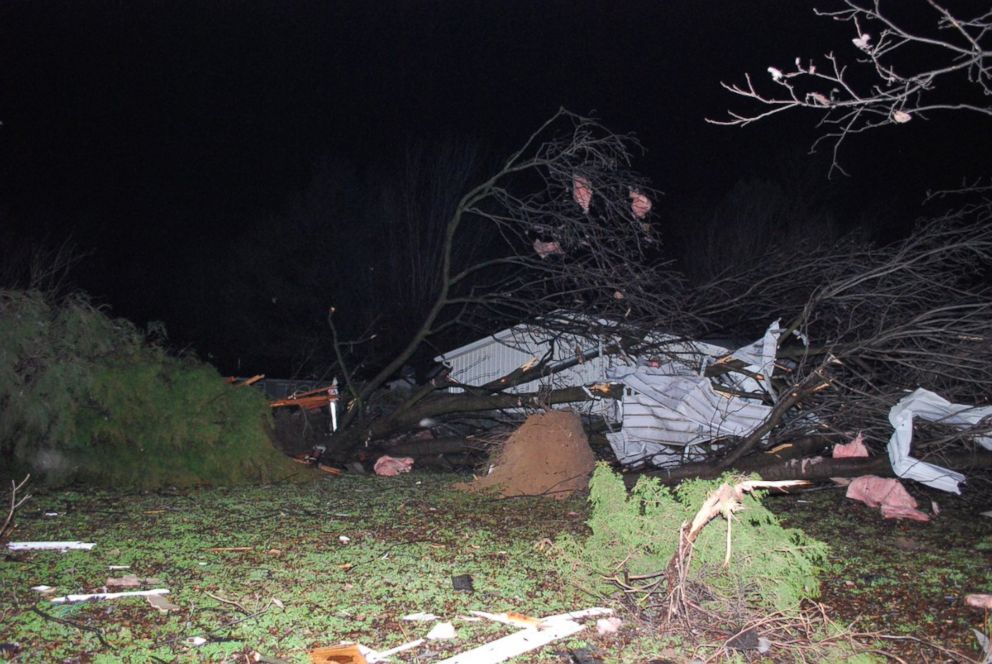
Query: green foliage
[
  {"x": 86, "y": 397},
  {"x": 637, "y": 534}
]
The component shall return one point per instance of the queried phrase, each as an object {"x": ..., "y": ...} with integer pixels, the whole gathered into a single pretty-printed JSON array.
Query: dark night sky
[{"x": 150, "y": 130}]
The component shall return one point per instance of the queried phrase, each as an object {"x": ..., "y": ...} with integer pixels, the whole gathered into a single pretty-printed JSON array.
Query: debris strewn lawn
[
  {"x": 281, "y": 570},
  {"x": 276, "y": 572}
]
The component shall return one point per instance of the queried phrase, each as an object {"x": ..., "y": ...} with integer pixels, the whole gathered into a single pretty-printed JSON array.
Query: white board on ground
[
  {"x": 70, "y": 599},
  {"x": 49, "y": 546},
  {"x": 523, "y": 641}
]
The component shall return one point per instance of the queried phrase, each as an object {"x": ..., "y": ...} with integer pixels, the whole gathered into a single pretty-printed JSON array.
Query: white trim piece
[
  {"x": 72, "y": 599},
  {"x": 522, "y": 641},
  {"x": 49, "y": 546},
  {"x": 425, "y": 617},
  {"x": 551, "y": 628},
  {"x": 513, "y": 619},
  {"x": 441, "y": 630}
]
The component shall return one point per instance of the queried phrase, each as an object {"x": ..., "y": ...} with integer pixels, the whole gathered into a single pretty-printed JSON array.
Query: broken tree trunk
[
  {"x": 445, "y": 404},
  {"x": 417, "y": 448},
  {"x": 772, "y": 468}
]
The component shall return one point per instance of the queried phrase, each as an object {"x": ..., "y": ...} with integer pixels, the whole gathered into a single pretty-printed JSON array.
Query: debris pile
[{"x": 549, "y": 455}]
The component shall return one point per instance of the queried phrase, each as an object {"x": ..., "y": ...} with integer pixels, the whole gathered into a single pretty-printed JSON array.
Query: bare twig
[
  {"x": 240, "y": 607},
  {"x": 70, "y": 623},
  {"x": 15, "y": 502}
]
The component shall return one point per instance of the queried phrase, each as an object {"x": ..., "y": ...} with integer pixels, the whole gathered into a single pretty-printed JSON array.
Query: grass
[
  {"x": 299, "y": 586},
  {"x": 407, "y": 537}
]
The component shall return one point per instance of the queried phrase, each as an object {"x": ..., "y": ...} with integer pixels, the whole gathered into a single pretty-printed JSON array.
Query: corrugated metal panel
[
  {"x": 665, "y": 412},
  {"x": 500, "y": 354},
  {"x": 487, "y": 359}
]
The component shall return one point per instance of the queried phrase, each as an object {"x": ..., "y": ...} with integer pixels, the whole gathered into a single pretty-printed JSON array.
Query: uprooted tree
[
  {"x": 862, "y": 323},
  {"x": 570, "y": 230}
]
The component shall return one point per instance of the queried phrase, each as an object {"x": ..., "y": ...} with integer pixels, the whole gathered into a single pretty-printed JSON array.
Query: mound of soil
[{"x": 549, "y": 455}]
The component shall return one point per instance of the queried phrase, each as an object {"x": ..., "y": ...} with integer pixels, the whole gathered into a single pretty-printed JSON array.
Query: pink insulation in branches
[
  {"x": 855, "y": 448},
  {"x": 545, "y": 249},
  {"x": 581, "y": 192},
  {"x": 640, "y": 204},
  {"x": 388, "y": 466}
]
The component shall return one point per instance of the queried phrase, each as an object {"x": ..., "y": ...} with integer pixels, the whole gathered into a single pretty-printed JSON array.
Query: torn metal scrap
[
  {"x": 932, "y": 407},
  {"x": 667, "y": 412},
  {"x": 664, "y": 413}
]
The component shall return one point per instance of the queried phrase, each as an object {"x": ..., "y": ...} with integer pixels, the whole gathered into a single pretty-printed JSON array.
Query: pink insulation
[
  {"x": 887, "y": 493},
  {"x": 388, "y": 466},
  {"x": 582, "y": 192},
  {"x": 855, "y": 448},
  {"x": 640, "y": 204}
]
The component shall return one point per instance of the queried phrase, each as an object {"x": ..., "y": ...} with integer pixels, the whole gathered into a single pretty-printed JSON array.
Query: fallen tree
[
  {"x": 451, "y": 403},
  {"x": 863, "y": 322}
]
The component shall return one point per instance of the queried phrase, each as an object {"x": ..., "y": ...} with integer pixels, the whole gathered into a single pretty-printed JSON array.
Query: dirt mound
[{"x": 549, "y": 455}]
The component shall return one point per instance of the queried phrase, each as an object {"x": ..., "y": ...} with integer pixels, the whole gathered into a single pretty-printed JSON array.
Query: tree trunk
[
  {"x": 772, "y": 468},
  {"x": 446, "y": 404},
  {"x": 418, "y": 448}
]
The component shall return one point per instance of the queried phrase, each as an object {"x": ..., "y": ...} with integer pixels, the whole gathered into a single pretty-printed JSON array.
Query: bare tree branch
[
  {"x": 892, "y": 72},
  {"x": 552, "y": 248}
]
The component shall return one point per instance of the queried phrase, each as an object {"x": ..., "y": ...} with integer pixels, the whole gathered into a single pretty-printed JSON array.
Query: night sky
[{"x": 165, "y": 138}]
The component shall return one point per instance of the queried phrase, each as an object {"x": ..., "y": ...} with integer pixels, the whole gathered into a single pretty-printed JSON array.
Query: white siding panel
[{"x": 663, "y": 411}]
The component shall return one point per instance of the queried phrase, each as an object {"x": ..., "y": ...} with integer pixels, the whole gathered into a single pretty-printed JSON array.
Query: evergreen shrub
[
  {"x": 635, "y": 535},
  {"x": 89, "y": 398}
]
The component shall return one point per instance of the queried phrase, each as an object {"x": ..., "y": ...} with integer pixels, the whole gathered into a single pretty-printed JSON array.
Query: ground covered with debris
[
  {"x": 904, "y": 579},
  {"x": 272, "y": 573}
]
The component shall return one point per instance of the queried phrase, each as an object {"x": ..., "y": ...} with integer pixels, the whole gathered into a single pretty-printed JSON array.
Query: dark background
[{"x": 216, "y": 162}]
